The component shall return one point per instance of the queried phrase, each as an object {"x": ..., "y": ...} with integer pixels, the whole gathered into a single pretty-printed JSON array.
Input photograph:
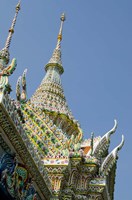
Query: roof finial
[
  {"x": 56, "y": 56},
  {"x": 62, "y": 18},
  {"x": 11, "y": 30},
  {"x": 111, "y": 159},
  {"x": 4, "y": 53}
]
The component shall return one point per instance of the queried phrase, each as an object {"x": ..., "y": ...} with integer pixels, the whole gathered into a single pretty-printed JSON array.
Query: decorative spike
[
  {"x": 24, "y": 87},
  {"x": 24, "y": 79},
  {"x": 4, "y": 53},
  {"x": 56, "y": 57},
  {"x": 63, "y": 18},
  {"x": 21, "y": 96},
  {"x": 18, "y": 89},
  {"x": 11, "y": 30}
]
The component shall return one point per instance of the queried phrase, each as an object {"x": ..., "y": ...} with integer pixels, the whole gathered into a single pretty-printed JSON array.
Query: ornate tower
[
  {"x": 50, "y": 93},
  {"x": 42, "y": 151}
]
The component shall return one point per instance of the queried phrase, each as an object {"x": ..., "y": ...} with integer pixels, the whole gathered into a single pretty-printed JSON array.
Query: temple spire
[
  {"x": 50, "y": 95},
  {"x": 56, "y": 56},
  {"x": 4, "y": 53},
  {"x": 60, "y": 32}
]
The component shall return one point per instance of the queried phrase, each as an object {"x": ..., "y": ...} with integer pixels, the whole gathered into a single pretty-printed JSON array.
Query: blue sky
[{"x": 96, "y": 54}]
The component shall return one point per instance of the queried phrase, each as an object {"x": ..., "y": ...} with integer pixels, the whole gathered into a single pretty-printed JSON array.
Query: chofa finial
[{"x": 111, "y": 159}]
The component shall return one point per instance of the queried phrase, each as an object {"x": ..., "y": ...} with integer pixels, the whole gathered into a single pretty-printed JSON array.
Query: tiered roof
[{"x": 47, "y": 138}]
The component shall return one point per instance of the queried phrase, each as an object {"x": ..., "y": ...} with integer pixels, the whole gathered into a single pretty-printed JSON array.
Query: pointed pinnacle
[
  {"x": 56, "y": 56},
  {"x": 18, "y": 6},
  {"x": 62, "y": 18},
  {"x": 11, "y": 31}
]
